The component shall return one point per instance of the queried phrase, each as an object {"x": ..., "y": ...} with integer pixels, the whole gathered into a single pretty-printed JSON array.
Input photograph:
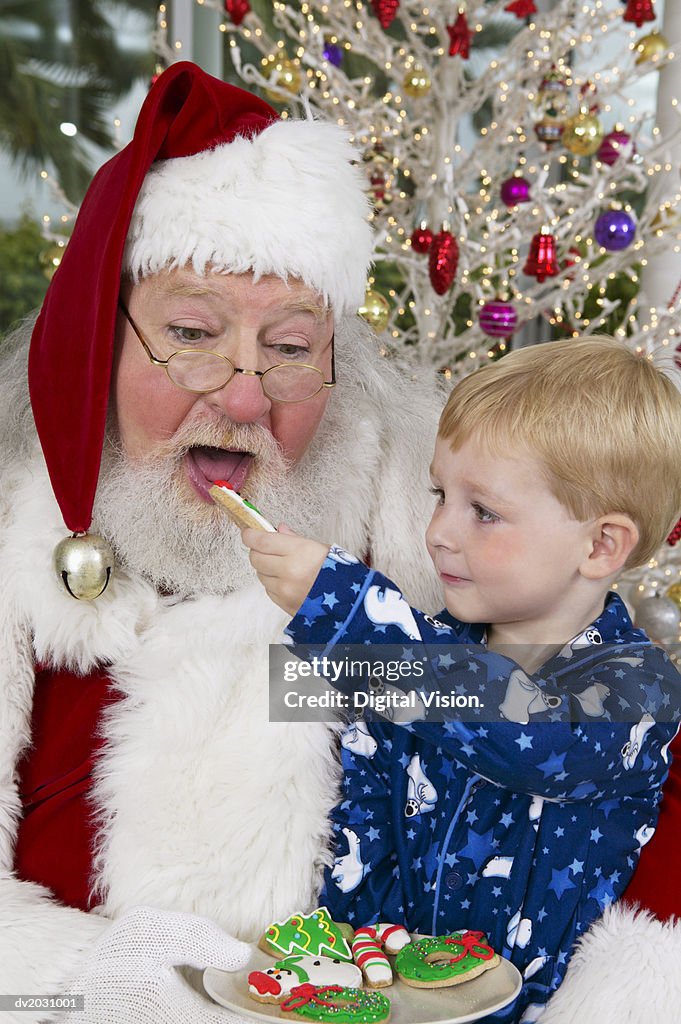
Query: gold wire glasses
[{"x": 202, "y": 371}]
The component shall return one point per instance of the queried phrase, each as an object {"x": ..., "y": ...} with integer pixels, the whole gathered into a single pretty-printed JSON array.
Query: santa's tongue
[{"x": 218, "y": 464}]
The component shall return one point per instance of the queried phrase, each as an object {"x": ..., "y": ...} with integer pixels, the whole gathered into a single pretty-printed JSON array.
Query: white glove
[{"x": 131, "y": 977}]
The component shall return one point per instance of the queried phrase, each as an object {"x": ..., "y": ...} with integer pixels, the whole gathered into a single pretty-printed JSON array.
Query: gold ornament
[
  {"x": 651, "y": 46},
  {"x": 666, "y": 219},
  {"x": 84, "y": 564},
  {"x": 284, "y": 74},
  {"x": 674, "y": 594},
  {"x": 416, "y": 82},
  {"x": 582, "y": 134},
  {"x": 375, "y": 310},
  {"x": 379, "y": 169},
  {"x": 50, "y": 260}
]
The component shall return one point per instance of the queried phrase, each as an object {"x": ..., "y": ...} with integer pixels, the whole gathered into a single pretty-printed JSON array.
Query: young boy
[{"x": 554, "y": 469}]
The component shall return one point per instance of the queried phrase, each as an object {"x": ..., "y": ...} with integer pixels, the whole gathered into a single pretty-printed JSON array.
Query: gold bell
[{"x": 84, "y": 563}]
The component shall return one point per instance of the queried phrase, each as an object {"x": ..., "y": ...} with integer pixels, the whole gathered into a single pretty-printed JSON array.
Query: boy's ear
[{"x": 614, "y": 537}]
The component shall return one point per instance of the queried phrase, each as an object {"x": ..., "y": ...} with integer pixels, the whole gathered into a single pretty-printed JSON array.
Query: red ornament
[
  {"x": 521, "y": 8},
  {"x": 385, "y": 11},
  {"x": 421, "y": 239},
  {"x": 237, "y": 10},
  {"x": 460, "y": 37},
  {"x": 443, "y": 260},
  {"x": 677, "y": 350},
  {"x": 639, "y": 11},
  {"x": 541, "y": 259},
  {"x": 675, "y": 536}
]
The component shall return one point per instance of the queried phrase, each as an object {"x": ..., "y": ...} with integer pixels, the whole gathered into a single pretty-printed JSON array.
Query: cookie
[
  {"x": 445, "y": 960},
  {"x": 276, "y": 982},
  {"x": 314, "y": 934},
  {"x": 237, "y": 508},
  {"x": 336, "y": 1004}
]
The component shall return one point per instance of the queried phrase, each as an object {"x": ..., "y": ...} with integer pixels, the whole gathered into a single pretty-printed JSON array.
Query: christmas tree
[{"x": 504, "y": 188}]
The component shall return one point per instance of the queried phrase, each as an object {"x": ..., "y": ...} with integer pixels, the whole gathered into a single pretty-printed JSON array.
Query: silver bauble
[
  {"x": 84, "y": 564},
  {"x": 658, "y": 616}
]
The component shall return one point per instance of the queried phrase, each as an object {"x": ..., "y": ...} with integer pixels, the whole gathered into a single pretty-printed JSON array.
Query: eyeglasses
[{"x": 202, "y": 371}]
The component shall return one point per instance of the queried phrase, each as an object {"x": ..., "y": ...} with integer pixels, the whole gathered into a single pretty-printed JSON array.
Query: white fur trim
[
  {"x": 625, "y": 970},
  {"x": 41, "y": 944},
  {"x": 288, "y": 202}
]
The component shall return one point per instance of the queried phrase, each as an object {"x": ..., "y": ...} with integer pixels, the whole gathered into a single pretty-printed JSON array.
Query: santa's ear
[{"x": 613, "y": 538}]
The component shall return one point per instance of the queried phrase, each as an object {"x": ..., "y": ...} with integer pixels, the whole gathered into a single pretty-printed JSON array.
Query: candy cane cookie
[
  {"x": 336, "y": 1005},
  {"x": 368, "y": 953},
  {"x": 445, "y": 960}
]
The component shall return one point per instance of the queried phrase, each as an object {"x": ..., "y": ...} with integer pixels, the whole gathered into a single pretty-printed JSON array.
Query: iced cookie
[
  {"x": 272, "y": 985},
  {"x": 340, "y": 1005},
  {"x": 237, "y": 508},
  {"x": 368, "y": 948},
  {"x": 312, "y": 934},
  {"x": 445, "y": 960}
]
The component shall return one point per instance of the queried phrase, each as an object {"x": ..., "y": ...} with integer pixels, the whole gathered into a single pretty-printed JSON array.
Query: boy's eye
[
  {"x": 439, "y": 494},
  {"x": 483, "y": 515}
]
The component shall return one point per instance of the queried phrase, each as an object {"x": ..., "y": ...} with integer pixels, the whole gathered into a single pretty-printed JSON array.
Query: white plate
[{"x": 458, "y": 1004}]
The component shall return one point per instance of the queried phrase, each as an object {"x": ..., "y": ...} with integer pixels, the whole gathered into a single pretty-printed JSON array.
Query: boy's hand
[{"x": 286, "y": 563}]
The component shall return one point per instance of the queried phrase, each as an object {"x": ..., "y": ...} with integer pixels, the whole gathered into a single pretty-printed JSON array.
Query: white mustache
[{"x": 239, "y": 437}]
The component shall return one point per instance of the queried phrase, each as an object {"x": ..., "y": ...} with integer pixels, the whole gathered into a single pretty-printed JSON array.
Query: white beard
[{"x": 161, "y": 530}]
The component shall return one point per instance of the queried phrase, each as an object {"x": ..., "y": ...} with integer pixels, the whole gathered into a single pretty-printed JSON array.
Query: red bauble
[
  {"x": 385, "y": 11},
  {"x": 460, "y": 37},
  {"x": 639, "y": 11},
  {"x": 237, "y": 10},
  {"x": 677, "y": 356},
  {"x": 421, "y": 239},
  {"x": 541, "y": 259},
  {"x": 443, "y": 261},
  {"x": 521, "y": 8},
  {"x": 675, "y": 536}
]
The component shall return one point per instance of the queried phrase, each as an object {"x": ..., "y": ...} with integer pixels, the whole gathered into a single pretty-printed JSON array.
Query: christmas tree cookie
[{"x": 314, "y": 934}]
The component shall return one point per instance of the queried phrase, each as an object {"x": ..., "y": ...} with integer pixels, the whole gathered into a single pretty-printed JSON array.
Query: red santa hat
[{"x": 212, "y": 179}]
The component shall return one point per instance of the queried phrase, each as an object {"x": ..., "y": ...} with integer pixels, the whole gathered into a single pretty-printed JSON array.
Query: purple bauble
[
  {"x": 515, "y": 190},
  {"x": 498, "y": 319},
  {"x": 333, "y": 54},
  {"x": 615, "y": 230},
  {"x": 615, "y": 145}
]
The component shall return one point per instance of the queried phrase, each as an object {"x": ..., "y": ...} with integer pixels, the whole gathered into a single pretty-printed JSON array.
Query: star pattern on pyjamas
[{"x": 429, "y": 835}]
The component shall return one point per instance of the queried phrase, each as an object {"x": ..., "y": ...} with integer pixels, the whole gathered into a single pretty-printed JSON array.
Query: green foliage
[
  {"x": 21, "y": 272},
  {"x": 47, "y": 81}
]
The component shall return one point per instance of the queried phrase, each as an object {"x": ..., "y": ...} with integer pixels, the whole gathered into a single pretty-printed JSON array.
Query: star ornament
[{"x": 460, "y": 37}]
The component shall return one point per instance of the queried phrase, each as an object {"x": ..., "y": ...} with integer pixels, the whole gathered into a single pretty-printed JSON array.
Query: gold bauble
[
  {"x": 84, "y": 564},
  {"x": 284, "y": 74},
  {"x": 375, "y": 310},
  {"x": 582, "y": 134},
  {"x": 666, "y": 219},
  {"x": 416, "y": 82},
  {"x": 674, "y": 594},
  {"x": 651, "y": 46},
  {"x": 50, "y": 260}
]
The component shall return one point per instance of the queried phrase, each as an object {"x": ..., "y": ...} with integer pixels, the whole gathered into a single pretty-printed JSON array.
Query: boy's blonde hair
[{"x": 605, "y": 422}]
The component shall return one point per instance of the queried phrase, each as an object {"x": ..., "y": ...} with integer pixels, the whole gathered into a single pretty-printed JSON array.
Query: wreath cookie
[
  {"x": 336, "y": 1004},
  {"x": 445, "y": 960}
]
